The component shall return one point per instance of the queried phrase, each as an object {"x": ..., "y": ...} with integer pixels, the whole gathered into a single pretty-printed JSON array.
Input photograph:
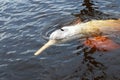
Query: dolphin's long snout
[{"x": 48, "y": 44}]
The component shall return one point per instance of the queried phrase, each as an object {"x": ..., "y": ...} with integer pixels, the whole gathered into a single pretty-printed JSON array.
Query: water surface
[{"x": 25, "y": 26}]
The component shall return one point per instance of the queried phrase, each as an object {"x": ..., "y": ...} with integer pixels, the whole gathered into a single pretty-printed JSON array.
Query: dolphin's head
[
  {"x": 59, "y": 36},
  {"x": 62, "y": 33}
]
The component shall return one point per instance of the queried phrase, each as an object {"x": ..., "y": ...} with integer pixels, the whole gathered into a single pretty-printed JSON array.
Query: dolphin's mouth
[{"x": 48, "y": 44}]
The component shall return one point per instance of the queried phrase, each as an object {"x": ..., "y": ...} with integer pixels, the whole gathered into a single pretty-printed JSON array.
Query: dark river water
[{"x": 25, "y": 26}]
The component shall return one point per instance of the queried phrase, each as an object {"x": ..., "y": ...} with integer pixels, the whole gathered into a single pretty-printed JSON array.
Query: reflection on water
[
  {"x": 25, "y": 25},
  {"x": 91, "y": 12},
  {"x": 93, "y": 69}
]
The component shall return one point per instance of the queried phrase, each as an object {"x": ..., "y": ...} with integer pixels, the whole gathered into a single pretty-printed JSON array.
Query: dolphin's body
[{"x": 90, "y": 28}]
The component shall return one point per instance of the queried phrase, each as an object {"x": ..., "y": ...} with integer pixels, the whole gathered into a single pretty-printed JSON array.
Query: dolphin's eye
[{"x": 62, "y": 29}]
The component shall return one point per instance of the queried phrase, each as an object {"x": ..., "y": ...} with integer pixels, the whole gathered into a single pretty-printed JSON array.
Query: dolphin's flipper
[{"x": 101, "y": 43}]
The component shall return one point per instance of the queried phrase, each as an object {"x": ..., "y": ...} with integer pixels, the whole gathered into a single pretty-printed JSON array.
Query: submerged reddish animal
[{"x": 101, "y": 43}]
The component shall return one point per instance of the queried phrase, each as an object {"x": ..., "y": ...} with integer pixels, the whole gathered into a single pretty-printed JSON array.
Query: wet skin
[{"x": 82, "y": 30}]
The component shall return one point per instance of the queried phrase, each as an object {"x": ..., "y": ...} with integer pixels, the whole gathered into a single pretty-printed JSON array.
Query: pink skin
[
  {"x": 102, "y": 43},
  {"x": 87, "y": 29}
]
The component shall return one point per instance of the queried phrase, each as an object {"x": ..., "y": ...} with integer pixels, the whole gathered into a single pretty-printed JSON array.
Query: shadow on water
[
  {"x": 91, "y": 12},
  {"x": 95, "y": 65}
]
